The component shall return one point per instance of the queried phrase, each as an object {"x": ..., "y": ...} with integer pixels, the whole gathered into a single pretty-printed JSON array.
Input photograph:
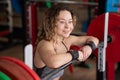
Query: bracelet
[
  {"x": 91, "y": 44},
  {"x": 74, "y": 54}
]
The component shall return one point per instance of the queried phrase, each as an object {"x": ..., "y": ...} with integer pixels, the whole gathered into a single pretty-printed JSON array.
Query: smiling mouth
[{"x": 66, "y": 31}]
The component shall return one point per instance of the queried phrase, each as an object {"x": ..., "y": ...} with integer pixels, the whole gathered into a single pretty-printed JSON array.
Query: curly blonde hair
[{"x": 47, "y": 27}]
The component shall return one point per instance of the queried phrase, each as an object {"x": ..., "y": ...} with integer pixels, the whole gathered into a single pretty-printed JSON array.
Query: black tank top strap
[{"x": 65, "y": 46}]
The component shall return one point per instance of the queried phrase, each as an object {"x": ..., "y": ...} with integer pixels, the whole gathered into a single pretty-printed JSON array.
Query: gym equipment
[
  {"x": 47, "y": 76},
  {"x": 96, "y": 28},
  {"x": 31, "y": 33},
  {"x": 6, "y": 29},
  {"x": 48, "y": 4},
  {"x": 4, "y": 76},
  {"x": 28, "y": 55},
  {"x": 69, "y": 2},
  {"x": 8, "y": 10},
  {"x": 16, "y": 69}
]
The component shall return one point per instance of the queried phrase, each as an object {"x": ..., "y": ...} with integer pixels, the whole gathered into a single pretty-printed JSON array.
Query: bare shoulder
[{"x": 44, "y": 43}]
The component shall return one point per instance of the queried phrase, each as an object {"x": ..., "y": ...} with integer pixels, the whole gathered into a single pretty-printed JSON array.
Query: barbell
[
  {"x": 112, "y": 52},
  {"x": 96, "y": 28}
]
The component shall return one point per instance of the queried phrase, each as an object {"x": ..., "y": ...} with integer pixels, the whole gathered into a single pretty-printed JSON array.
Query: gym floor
[{"x": 81, "y": 72}]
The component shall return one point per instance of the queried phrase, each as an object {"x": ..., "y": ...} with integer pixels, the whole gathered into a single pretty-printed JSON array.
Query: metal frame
[{"x": 68, "y": 2}]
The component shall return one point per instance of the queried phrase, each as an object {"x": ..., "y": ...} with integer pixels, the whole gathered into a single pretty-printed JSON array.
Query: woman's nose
[{"x": 66, "y": 25}]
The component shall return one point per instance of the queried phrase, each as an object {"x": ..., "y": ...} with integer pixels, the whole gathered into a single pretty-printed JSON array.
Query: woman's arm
[
  {"x": 82, "y": 40},
  {"x": 87, "y": 43}
]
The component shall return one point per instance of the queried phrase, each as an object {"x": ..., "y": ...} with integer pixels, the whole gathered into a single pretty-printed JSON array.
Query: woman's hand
[
  {"x": 80, "y": 58},
  {"x": 84, "y": 53}
]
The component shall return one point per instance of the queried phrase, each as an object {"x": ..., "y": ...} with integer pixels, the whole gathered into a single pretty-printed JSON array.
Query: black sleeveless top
[{"x": 44, "y": 70}]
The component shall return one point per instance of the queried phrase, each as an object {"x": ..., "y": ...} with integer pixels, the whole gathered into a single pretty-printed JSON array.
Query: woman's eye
[
  {"x": 70, "y": 22},
  {"x": 62, "y": 22}
]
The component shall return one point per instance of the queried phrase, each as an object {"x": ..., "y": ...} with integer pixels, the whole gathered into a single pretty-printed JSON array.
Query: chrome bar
[{"x": 68, "y": 2}]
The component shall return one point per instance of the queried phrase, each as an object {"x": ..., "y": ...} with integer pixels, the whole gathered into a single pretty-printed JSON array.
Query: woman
[{"x": 54, "y": 41}]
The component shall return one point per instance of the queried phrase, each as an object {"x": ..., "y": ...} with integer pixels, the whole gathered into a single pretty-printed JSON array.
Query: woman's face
[{"x": 64, "y": 24}]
